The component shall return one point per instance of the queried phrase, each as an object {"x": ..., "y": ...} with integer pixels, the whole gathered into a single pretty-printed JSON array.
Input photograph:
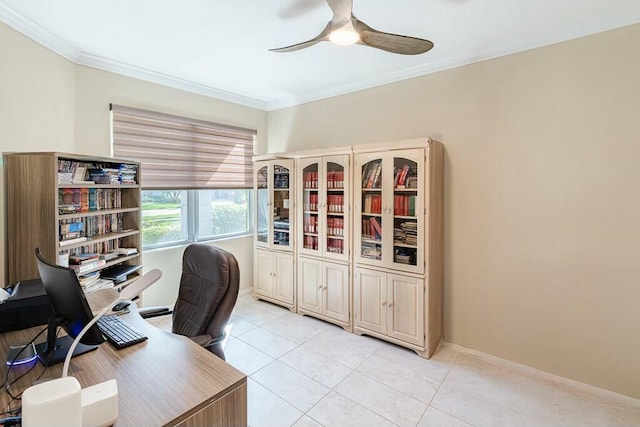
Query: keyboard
[{"x": 118, "y": 332}]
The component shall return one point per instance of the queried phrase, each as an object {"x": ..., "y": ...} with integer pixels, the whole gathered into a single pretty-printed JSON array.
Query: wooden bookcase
[
  {"x": 274, "y": 259},
  {"x": 323, "y": 235},
  {"x": 398, "y": 243},
  {"x": 35, "y": 206}
]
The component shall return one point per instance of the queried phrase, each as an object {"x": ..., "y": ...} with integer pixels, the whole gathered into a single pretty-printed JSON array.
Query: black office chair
[{"x": 208, "y": 292}]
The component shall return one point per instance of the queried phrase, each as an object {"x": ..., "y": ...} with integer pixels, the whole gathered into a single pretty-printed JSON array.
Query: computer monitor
[{"x": 71, "y": 311}]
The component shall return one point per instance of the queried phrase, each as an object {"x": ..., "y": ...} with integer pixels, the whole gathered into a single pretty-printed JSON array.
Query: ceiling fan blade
[
  {"x": 324, "y": 35},
  {"x": 393, "y": 43},
  {"x": 341, "y": 9}
]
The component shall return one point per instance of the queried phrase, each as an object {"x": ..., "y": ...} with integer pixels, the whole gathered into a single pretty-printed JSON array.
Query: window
[
  {"x": 167, "y": 219},
  {"x": 196, "y": 175}
]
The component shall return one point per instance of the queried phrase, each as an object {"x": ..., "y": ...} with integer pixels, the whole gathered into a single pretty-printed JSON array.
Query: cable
[{"x": 7, "y": 384}]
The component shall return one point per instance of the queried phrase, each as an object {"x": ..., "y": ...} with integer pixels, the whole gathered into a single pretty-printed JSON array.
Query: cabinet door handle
[
  {"x": 391, "y": 305},
  {"x": 384, "y": 303}
]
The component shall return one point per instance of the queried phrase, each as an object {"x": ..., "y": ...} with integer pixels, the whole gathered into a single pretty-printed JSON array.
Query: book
[
  {"x": 127, "y": 251},
  {"x": 109, "y": 256},
  {"x": 118, "y": 273},
  {"x": 79, "y": 174},
  {"x": 83, "y": 268},
  {"x": 63, "y": 260},
  {"x": 83, "y": 258},
  {"x": 377, "y": 177},
  {"x": 84, "y": 200}
]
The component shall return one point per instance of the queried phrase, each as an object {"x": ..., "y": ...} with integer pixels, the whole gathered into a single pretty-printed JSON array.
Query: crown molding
[
  {"x": 37, "y": 33},
  {"x": 166, "y": 80}
]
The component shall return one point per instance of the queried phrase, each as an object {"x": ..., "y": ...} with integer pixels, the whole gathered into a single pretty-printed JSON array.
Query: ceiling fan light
[{"x": 345, "y": 36}]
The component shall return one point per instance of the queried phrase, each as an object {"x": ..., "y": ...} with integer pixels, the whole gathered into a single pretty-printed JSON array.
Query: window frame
[{"x": 193, "y": 220}]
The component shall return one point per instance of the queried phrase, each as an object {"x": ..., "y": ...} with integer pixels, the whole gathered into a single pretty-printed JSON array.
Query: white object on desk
[
  {"x": 62, "y": 402},
  {"x": 4, "y": 295},
  {"x": 53, "y": 403}
]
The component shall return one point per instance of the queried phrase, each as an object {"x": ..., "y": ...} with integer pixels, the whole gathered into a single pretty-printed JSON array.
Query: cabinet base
[
  {"x": 423, "y": 352},
  {"x": 346, "y": 326},
  {"x": 289, "y": 306}
]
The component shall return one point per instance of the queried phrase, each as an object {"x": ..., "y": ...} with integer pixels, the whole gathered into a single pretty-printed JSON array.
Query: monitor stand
[{"x": 62, "y": 345}]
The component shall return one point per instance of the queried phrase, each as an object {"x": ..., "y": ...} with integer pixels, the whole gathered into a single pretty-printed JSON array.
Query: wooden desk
[{"x": 166, "y": 381}]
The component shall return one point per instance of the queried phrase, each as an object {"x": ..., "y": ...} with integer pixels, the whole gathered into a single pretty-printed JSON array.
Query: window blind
[{"x": 182, "y": 153}]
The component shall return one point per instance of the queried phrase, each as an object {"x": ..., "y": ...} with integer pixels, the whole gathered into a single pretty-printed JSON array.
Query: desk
[{"x": 166, "y": 381}]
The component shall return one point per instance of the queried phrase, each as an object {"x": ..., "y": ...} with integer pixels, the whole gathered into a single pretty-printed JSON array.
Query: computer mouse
[{"x": 121, "y": 305}]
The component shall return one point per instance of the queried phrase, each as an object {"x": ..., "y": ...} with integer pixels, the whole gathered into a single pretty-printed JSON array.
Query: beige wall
[
  {"x": 542, "y": 209},
  {"x": 36, "y": 104},
  {"x": 50, "y": 104}
]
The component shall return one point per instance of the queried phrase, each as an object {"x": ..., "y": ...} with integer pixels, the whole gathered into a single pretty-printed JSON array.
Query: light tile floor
[{"x": 305, "y": 372}]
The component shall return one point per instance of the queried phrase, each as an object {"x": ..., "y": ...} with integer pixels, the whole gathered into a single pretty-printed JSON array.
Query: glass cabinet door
[
  {"x": 391, "y": 204},
  {"x": 371, "y": 227},
  {"x": 282, "y": 205},
  {"x": 262, "y": 205},
  {"x": 335, "y": 209},
  {"x": 310, "y": 206},
  {"x": 405, "y": 213}
]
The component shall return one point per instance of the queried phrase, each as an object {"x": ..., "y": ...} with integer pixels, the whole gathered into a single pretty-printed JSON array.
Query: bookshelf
[
  {"x": 71, "y": 206},
  {"x": 323, "y": 236},
  {"x": 274, "y": 268},
  {"x": 398, "y": 245}
]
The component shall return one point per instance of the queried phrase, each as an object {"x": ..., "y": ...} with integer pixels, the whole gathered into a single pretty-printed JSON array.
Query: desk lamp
[{"x": 62, "y": 402}]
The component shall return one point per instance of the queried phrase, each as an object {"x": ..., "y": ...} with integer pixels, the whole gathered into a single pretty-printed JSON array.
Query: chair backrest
[{"x": 208, "y": 291}]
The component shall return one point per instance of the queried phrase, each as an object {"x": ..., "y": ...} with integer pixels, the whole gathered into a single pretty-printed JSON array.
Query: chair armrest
[
  {"x": 148, "y": 312},
  {"x": 201, "y": 340}
]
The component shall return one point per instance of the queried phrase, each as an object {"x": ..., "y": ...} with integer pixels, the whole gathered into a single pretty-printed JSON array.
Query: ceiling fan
[{"x": 345, "y": 29}]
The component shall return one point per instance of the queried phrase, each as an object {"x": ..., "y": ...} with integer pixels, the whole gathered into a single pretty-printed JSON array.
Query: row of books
[
  {"x": 310, "y": 202},
  {"x": 106, "y": 278},
  {"x": 400, "y": 175},
  {"x": 92, "y": 260},
  {"x": 90, "y": 226},
  {"x": 72, "y": 172},
  {"x": 73, "y": 200},
  {"x": 335, "y": 226},
  {"x": 335, "y": 246},
  {"x": 404, "y": 205},
  {"x": 104, "y": 247},
  {"x": 310, "y": 224},
  {"x": 372, "y": 175},
  {"x": 310, "y": 242},
  {"x": 75, "y": 172},
  {"x": 372, "y": 203},
  {"x": 371, "y": 229},
  {"x": 335, "y": 180},
  {"x": 280, "y": 177},
  {"x": 335, "y": 203}
]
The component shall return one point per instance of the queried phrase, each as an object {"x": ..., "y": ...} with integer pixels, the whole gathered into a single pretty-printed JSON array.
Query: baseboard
[
  {"x": 583, "y": 387},
  {"x": 244, "y": 291}
]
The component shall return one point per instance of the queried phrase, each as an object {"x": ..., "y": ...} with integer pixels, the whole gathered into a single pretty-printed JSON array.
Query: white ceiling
[{"x": 220, "y": 48}]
